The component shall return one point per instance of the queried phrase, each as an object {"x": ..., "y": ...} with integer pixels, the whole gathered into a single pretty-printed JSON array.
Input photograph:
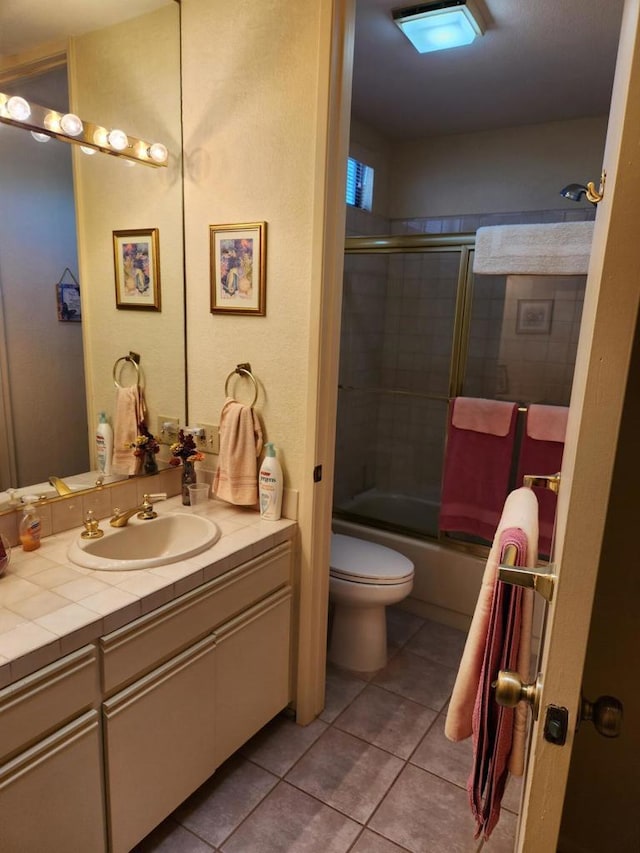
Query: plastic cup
[{"x": 198, "y": 493}]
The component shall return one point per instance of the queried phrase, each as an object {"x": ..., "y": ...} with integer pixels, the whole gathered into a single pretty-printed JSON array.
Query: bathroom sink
[{"x": 145, "y": 544}]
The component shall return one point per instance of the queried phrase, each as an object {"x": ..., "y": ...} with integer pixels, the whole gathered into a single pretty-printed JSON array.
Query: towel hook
[
  {"x": 242, "y": 370},
  {"x": 134, "y": 359}
]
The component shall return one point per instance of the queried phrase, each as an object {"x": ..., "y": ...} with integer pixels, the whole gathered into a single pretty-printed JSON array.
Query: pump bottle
[
  {"x": 104, "y": 444},
  {"x": 270, "y": 485},
  {"x": 29, "y": 528}
]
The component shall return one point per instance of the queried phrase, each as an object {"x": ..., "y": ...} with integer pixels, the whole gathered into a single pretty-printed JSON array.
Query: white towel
[{"x": 556, "y": 248}]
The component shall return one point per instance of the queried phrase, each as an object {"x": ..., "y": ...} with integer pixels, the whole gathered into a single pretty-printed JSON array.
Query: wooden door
[{"x": 606, "y": 340}]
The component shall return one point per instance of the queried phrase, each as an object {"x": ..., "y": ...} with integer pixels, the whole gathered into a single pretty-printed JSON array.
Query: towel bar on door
[
  {"x": 243, "y": 369},
  {"x": 134, "y": 359},
  {"x": 542, "y": 582}
]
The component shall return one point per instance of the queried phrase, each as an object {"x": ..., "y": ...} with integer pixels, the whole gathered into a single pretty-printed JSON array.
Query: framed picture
[
  {"x": 68, "y": 302},
  {"x": 238, "y": 266},
  {"x": 534, "y": 316},
  {"x": 136, "y": 256}
]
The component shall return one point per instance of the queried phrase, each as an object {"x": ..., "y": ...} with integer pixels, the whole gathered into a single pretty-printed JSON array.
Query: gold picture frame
[
  {"x": 136, "y": 256},
  {"x": 238, "y": 268}
]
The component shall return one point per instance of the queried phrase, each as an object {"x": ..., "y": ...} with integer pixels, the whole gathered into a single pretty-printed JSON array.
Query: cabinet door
[
  {"x": 159, "y": 743},
  {"x": 252, "y": 671},
  {"x": 51, "y": 795}
]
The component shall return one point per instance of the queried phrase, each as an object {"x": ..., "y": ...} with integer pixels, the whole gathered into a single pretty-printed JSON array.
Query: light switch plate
[
  {"x": 210, "y": 442},
  {"x": 164, "y": 434}
]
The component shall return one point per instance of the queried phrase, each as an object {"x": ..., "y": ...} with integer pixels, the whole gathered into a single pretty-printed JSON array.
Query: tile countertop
[{"x": 50, "y": 607}]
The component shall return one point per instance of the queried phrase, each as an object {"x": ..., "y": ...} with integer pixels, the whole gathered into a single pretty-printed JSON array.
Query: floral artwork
[
  {"x": 238, "y": 269},
  {"x": 136, "y": 258}
]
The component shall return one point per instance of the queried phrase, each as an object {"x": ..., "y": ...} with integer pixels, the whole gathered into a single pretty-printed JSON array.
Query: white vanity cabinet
[
  {"x": 99, "y": 747},
  {"x": 51, "y": 779},
  {"x": 187, "y": 685}
]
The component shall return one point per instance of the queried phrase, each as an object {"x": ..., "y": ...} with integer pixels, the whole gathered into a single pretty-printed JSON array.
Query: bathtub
[
  {"x": 417, "y": 515},
  {"x": 446, "y": 582}
]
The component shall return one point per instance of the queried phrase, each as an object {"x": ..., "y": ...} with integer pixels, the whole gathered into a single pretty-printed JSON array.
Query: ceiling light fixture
[
  {"x": 45, "y": 122},
  {"x": 440, "y": 25}
]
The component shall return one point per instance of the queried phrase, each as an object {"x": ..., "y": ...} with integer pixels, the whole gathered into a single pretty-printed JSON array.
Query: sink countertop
[{"x": 49, "y": 607}]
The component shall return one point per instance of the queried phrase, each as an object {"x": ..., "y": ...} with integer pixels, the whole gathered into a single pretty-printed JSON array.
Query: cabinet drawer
[
  {"x": 138, "y": 647},
  {"x": 51, "y": 795},
  {"x": 253, "y": 676},
  {"x": 159, "y": 743},
  {"x": 47, "y": 699}
]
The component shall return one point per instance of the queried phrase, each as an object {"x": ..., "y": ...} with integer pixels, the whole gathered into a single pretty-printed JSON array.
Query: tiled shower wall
[{"x": 397, "y": 323}]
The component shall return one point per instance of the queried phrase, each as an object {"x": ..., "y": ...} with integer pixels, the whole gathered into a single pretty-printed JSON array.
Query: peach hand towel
[
  {"x": 236, "y": 478},
  {"x": 520, "y": 510},
  {"x": 130, "y": 411}
]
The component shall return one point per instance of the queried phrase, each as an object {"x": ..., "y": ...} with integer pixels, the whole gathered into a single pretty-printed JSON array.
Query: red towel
[
  {"x": 477, "y": 466},
  {"x": 493, "y": 725},
  {"x": 541, "y": 453}
]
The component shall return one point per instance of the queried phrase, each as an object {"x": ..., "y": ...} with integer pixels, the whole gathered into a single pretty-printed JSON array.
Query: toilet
[{"x": 363, "y": 579}]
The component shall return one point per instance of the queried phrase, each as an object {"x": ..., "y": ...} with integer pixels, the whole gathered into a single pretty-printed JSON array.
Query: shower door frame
[{"x": 464, "y": 244}]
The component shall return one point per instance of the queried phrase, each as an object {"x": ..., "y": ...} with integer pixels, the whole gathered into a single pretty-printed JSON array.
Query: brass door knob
[
  {"x": 605, "y": 713},
  {"x": 510, "y": 690}
]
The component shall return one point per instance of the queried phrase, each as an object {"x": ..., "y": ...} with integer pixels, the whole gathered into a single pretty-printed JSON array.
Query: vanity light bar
[{"x": 68, "y": 127}]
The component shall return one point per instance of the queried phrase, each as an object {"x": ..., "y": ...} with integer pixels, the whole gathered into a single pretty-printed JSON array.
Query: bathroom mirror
[{"x": 142, "y": 97}]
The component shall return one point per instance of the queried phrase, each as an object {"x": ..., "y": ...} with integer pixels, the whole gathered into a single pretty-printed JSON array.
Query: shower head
[{"x": 574, "y": 192}]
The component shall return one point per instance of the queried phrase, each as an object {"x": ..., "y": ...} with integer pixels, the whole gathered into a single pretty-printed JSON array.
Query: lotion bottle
[
  {"x": 270, "y": 485},
  {"x": 104, "y": 444},
  {"x": 30, "y": 528}
]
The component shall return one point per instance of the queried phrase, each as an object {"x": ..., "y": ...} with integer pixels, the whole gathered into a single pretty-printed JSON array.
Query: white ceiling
[
  {"x": 539, "y": 60},
  {"x": 25, "y": 24}
]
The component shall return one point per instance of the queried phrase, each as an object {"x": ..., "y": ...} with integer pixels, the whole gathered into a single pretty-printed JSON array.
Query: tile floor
[{"x": 372, "y": 774}]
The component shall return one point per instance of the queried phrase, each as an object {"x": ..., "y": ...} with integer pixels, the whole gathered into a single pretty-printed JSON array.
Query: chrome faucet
[
  {"x": 60, "y": 486},
  {"x": 145, "y": 511}
]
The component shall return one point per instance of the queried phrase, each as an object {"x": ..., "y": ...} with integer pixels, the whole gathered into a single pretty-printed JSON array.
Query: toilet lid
[{"x": 366, "y": 562}]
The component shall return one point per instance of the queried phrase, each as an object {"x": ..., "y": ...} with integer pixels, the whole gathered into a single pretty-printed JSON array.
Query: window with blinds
[{"x": 359, "y": 184}]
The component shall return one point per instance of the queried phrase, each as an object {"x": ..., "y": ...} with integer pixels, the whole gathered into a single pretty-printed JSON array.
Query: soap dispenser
[{"x": 30, "y": 528}]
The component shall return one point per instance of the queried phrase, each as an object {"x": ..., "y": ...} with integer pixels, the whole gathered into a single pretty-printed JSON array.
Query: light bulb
[
  {"x": 118, "y": 139},
  {"x": 158, "y": 152},
  {"x": 18, "y": 108},
  {"x": 71, "y": 124},
  {"x": 52, "y": 121},
  {"x": 40, "y": 137},
  {"x": 87, "y": 150}
]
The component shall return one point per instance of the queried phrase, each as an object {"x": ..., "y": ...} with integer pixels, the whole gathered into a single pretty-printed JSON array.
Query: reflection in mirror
[{"x": 46, "y": 363}]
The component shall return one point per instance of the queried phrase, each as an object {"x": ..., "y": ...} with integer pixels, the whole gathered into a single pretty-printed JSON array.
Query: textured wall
[
  {"x": 128, "y": 76},
  {"x": 250, "y": 81}
]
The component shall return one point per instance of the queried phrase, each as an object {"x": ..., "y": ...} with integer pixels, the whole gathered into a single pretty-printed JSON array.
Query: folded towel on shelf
[
  {"x": 499, "y": 638},
  {"x": 477, "y": 464},
  {"x": 129, "y": 412},
  {"x": 555, "y": 248},
  {"x": 236, "y": 478},
  {"x": 541, "y": 453}
]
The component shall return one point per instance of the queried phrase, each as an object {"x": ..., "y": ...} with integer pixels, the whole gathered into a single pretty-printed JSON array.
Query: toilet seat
[{"x": 359, "y": 561}]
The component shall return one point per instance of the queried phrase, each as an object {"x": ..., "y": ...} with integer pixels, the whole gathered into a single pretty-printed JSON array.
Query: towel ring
[
  {"x": 242, "y": 370},
  {"x": 134, "y": 359}
]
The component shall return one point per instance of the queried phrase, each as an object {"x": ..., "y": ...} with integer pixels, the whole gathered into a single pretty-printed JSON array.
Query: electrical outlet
[
  {"x": 210, "y": 443},
  {"x": 167, "y": 429}
]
